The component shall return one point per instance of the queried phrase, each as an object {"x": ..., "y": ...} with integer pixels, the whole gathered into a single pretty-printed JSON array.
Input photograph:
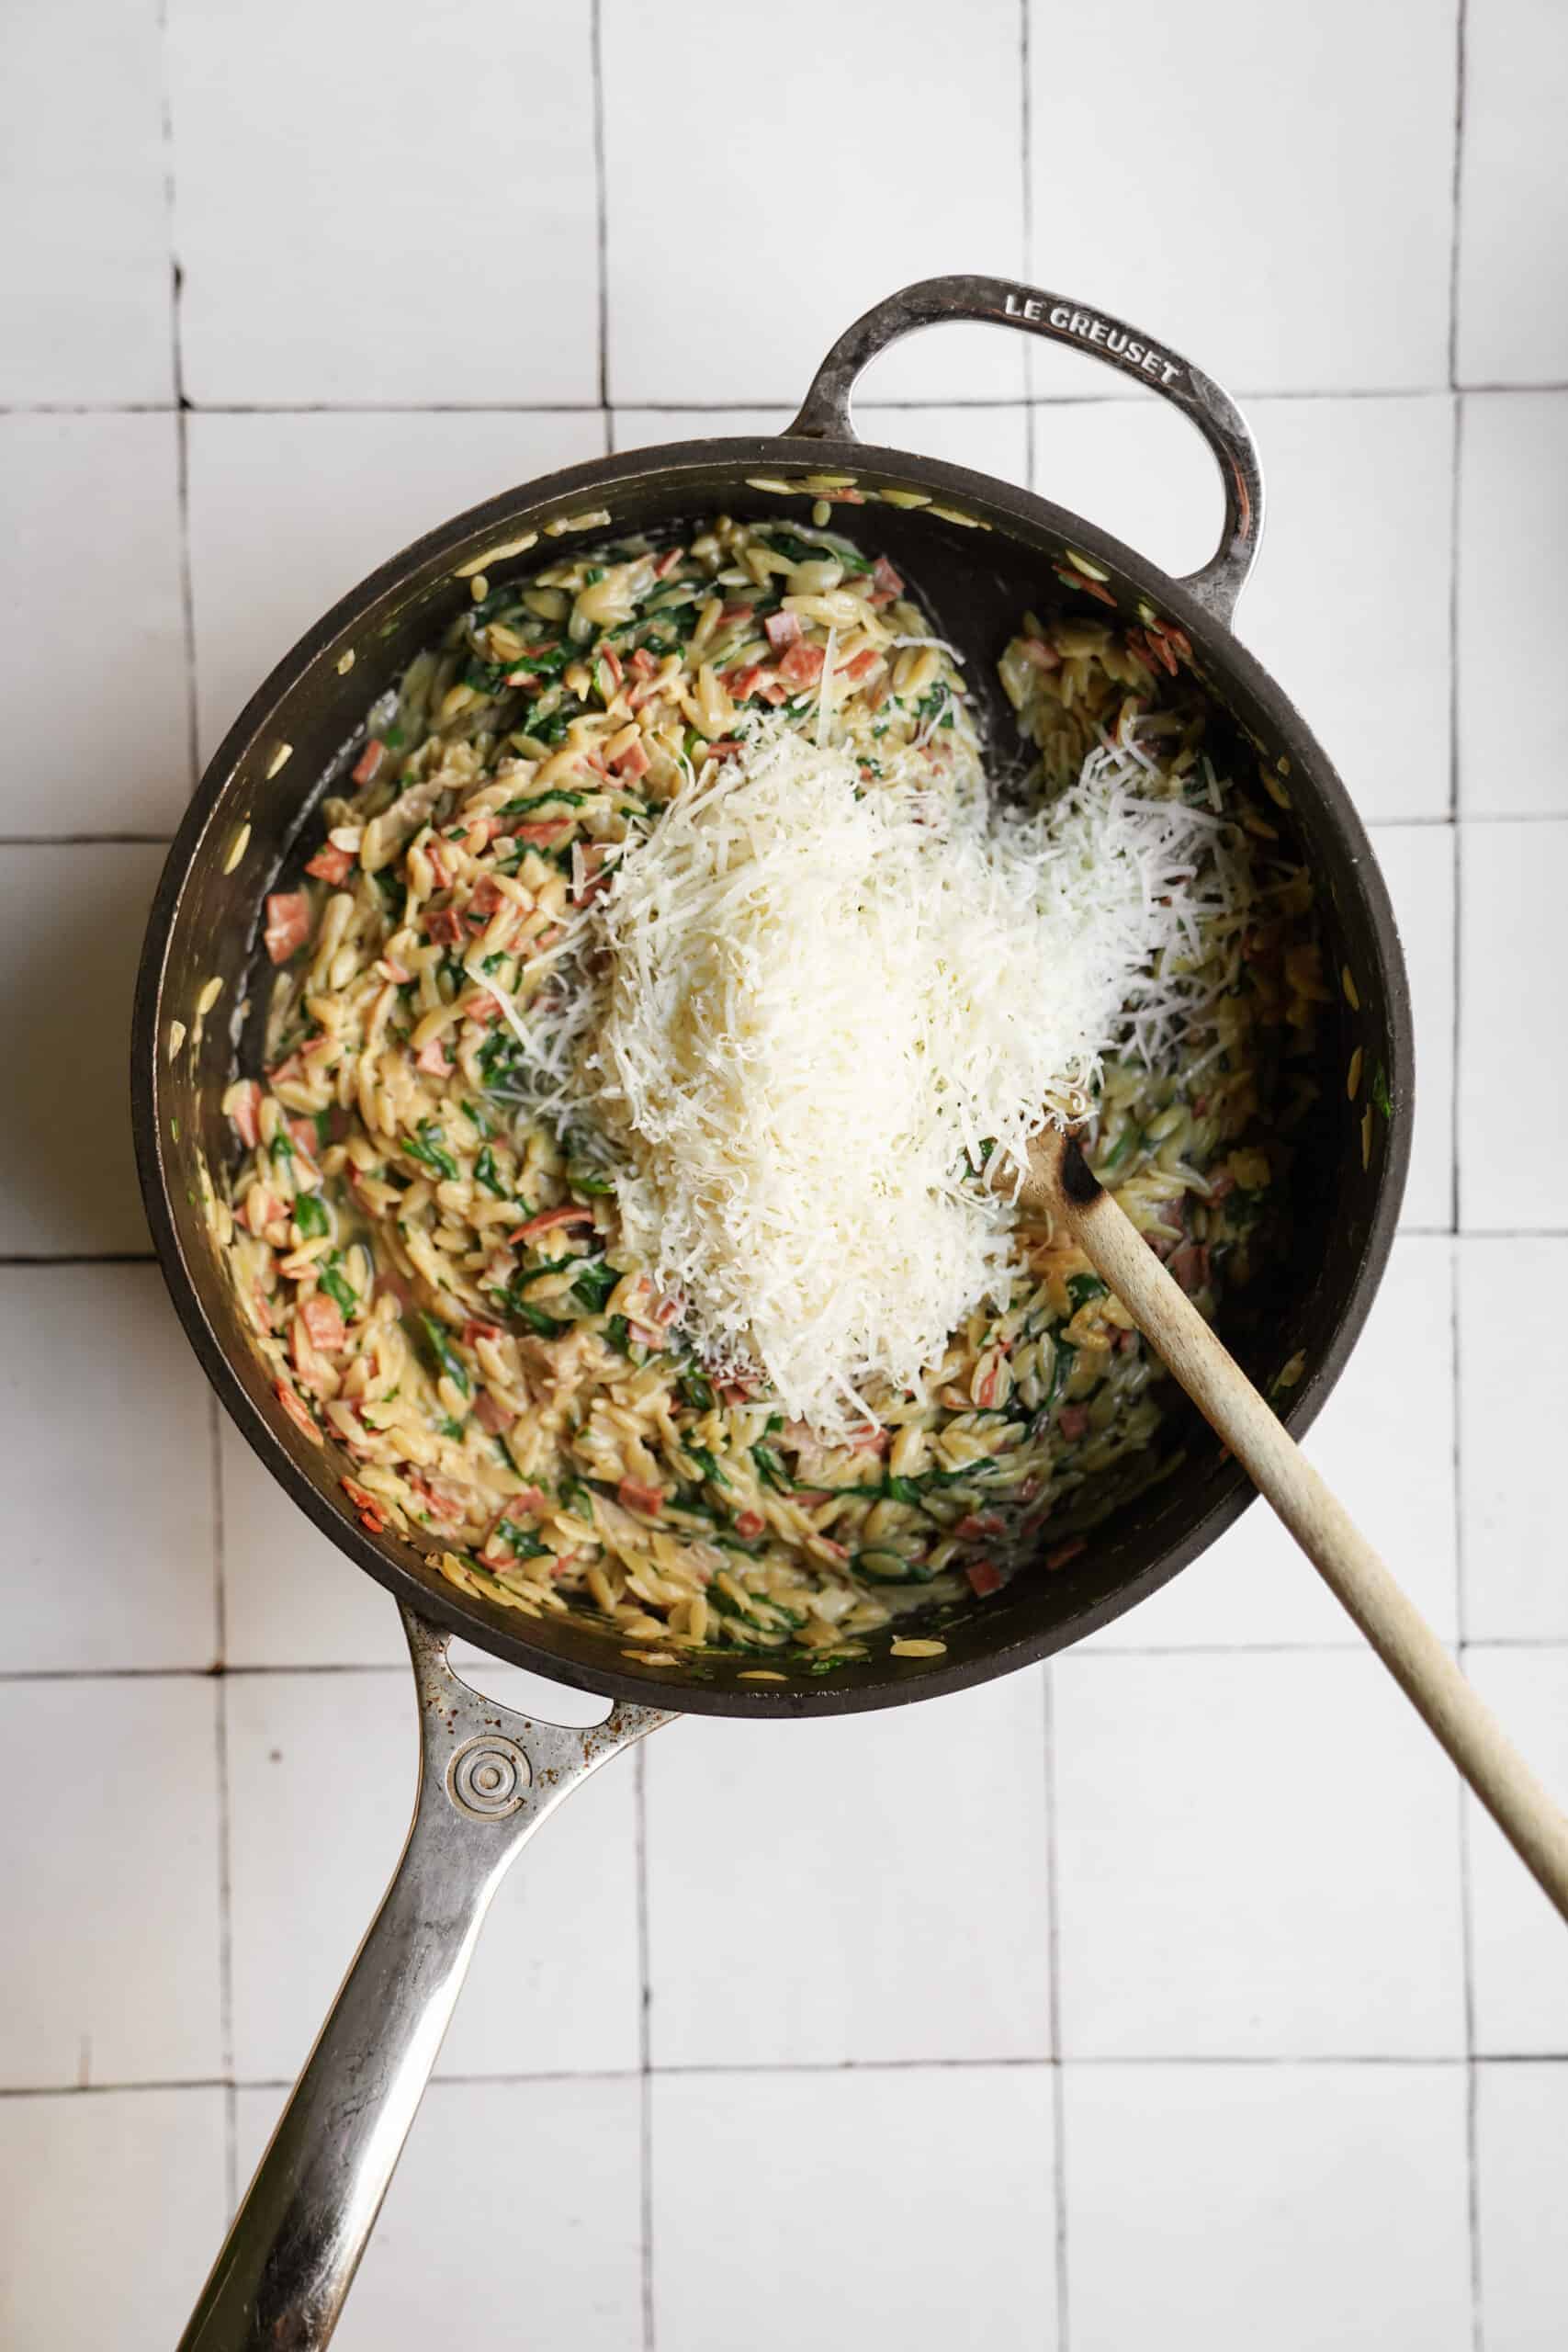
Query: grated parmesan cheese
[{"x": 801, "y": 1009}]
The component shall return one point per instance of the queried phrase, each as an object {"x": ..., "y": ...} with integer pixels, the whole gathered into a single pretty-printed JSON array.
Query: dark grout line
[
  {"x": 783, "y": 403},
  {"x": 1163, "y": 2059},
  {"x": 1053, "y": 2004},
  {"x": 645, "y": 2049},
  {"x": 600, "y": 194},
  {"x": 1456, "y": 226}
]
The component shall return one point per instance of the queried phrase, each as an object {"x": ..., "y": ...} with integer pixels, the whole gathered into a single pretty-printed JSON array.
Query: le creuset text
[{"x": 1088, "y": 328}]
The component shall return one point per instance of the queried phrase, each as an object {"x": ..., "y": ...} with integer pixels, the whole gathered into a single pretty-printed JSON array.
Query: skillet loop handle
[
  {"x": 825, "y": 416},
  {"x": 488, "y": 1778}
]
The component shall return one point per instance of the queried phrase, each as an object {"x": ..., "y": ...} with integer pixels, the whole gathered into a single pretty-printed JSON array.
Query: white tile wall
[
  {"x": 390, "y": 304},
  {"x": 1521, "y": 2135},
  {"x": 1292, "y": 2206},
  {"x": 517, "y": 2205},
  {"x": 334, "y": 128},
  {"x": 1513, "y": 575},
  {"x": 1513, "y": 1295},
  {"x": 77, "y": 1595},
  {"x": 93, "y": 516},
  {"x": 1255, "y": 1857},
  {"x": 795, "y": 194},
  {"x": 113, "y": 2204},
  {"x": 906, "y": 2206},
  {"x": 1223, "y": 181},
  {"x": 848, "y": 1931},
  {"x": 1511, "y": 1156},
  {"x": 85, "y": 272},
  {"x": 1520, "y": 1986},
  {"x": 109, "y": 1851},
  {"x": 1513, "y": 327}
]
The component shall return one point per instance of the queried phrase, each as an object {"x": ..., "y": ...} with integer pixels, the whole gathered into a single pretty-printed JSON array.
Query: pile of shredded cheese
[{"x": 805, "y": 1007}]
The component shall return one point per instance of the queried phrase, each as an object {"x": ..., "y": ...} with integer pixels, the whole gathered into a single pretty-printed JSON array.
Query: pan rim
[{"x": 451, "y": 540}]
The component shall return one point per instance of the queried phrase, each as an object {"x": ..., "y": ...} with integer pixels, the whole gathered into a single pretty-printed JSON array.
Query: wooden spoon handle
[{"x": 1354, "y": 1572}]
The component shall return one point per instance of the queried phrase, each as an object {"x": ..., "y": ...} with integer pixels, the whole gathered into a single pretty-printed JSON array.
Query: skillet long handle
[
  {"x": 488, "y": 1778},
  {"x": 1355, "y": 1573}
]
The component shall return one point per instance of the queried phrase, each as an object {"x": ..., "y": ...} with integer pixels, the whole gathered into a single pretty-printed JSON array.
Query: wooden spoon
[{"x": 1059, "y": 1183}]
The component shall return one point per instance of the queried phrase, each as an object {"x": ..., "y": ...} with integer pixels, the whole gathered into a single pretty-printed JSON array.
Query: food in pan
[{"x": 534, "y": 1216}]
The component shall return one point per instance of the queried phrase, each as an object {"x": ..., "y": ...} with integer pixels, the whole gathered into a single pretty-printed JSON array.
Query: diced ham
[
  {"x": 634, "y": 1495},
  {"x": 431, "y": 1058},
  {"x": 983, "y": 1522},
  {"x": 548, "y": 1219},
  {"x": 442, "y": 926},
  {"x": 611, "y": 661},
  {"x": 287, "y": 924},
  {"x": 329, "y": 864},
  {"x": 666, "y": 563},
  {"x": 802, "y": 665},
  {"x": 302, "y": 1133},
  {"x": 480, "y": 1006},
  {"x": 485, "y": 899},
  {"x": 548, "y": 833},
  {"x": 737, "y": 612},
  {"x": 856, "y": 670},
  {"x": 365, "y": 1503},
  {"x": 889, "y": 582},
  {"x": 870, "y": 1440},
  {"x": 323, "y": 1323},
  {"x": 244, "y": 1109},
  {"x": 1189, "y": 1264},
  {"x": 750, "y": 1524},
  {"x": 473, "y": 1329},
  {"x": 633, "y": 762},
  {"x": 1043, "y": 656},
  {"x": 642, "y": 663},
  {"x": 1073, "y": 1422},
  {"x": 367, "y": 766},
  {"x": 983, "y": 1577},
  {"x": 491, "y": 1415},
  {"x": 297, "y": 1411},
  {"x": 781, "y": 631}
]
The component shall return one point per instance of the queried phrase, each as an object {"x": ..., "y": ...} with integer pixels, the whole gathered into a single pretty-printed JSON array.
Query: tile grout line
[
  {"x": 1054, "y": 2007},
  {"x": 1447, "y": 2061},
  {"x": 645, "y": 2044},
  {"x": 182, "y": 406},
  {"x": 600, "y": 195},
  {"x": 782, "y": 401}
]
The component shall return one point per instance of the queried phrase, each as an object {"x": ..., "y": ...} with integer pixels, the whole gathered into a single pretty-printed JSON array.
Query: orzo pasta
[{"x": 424, "y": 1234}]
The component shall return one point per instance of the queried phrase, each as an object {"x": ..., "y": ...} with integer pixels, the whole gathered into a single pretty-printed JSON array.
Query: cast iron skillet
[{"x": 979, "y": 552}]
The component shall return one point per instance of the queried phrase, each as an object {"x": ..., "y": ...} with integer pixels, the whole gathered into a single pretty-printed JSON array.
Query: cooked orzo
[{"x": 424, "y": 1223}]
